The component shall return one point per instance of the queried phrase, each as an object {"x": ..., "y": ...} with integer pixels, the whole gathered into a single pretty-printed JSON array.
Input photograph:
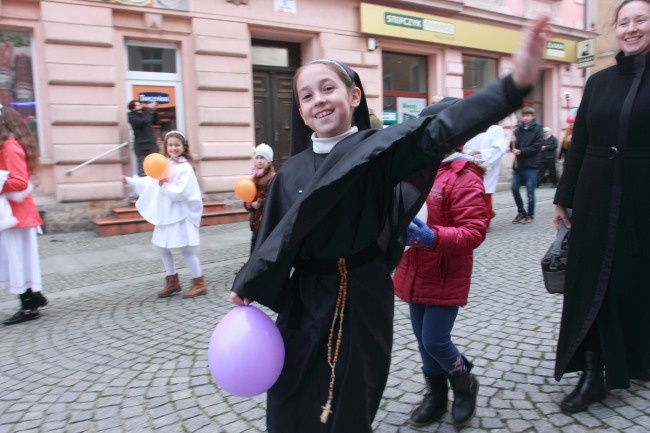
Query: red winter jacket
[
  {"x": 457, "y": 213},
  {"x": 12, "y": 159}
]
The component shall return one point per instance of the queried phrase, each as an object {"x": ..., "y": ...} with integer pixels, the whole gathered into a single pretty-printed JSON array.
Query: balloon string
[{"x": 333, "y": 352}]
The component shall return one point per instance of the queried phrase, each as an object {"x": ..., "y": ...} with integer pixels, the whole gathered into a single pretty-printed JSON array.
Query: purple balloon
[{"x": 246, "y": 352}]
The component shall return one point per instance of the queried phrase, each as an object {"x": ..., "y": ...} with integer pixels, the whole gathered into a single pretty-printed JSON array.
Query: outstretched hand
[
  {"x": 528, "y": 58},
  {"x": 239, "y": 300}
]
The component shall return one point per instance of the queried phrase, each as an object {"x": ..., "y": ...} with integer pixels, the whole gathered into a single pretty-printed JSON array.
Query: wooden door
[{"x": 272, "y": 97}]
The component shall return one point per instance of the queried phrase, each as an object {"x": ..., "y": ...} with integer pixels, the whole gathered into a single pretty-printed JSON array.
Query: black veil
[{"x": 301, "y": 133}]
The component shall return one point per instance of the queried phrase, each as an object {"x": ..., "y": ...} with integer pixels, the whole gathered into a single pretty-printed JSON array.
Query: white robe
[
  {"x": 174, "y": 209},
  {"x": 492, "y": 147},
  {"x": 20, "y": 268},
  {"x": 7, "y": 219}
]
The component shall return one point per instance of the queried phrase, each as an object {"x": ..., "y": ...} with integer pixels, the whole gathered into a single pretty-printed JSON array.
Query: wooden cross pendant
[{"x": 327, "y": 410}]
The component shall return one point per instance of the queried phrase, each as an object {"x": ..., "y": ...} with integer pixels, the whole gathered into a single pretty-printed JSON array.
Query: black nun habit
[{"x": 353, "y": 204}]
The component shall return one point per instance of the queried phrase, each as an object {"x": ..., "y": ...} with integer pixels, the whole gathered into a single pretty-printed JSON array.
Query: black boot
[
  {"x": 39, "y": 300},
  {"x": 28, "y": 309},
  {"x": 33, "y": 300},
  {"x": 434, "y": 404},
  {"x": 465, "y": 389},
  {"x": 590, "y": 388}
]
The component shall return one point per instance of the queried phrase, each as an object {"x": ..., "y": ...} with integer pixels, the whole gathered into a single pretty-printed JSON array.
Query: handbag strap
[{"x": 562, "y": 232}]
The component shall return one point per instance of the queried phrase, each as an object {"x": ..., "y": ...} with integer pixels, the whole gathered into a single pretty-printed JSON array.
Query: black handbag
[{"x": 554, "y": 261}]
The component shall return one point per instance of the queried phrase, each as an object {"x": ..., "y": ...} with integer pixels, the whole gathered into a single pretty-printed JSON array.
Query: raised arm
[{"x": 528, "y": 58}]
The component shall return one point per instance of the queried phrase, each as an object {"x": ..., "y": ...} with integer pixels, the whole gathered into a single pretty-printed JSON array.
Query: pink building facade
[{"x": 221, "y": 71}]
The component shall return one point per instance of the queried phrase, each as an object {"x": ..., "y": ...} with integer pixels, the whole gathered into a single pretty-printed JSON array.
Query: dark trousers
[
  {"x": 547, "y": 166},
  {"x": 140, "y": 159}
]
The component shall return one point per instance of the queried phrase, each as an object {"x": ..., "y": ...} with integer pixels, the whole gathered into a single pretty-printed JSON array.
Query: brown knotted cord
[{"x": 333, "y": 355}]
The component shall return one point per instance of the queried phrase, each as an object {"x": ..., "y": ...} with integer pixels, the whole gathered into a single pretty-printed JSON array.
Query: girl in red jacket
[
  {"x": 434, "y": 278},
  {"x": 20, "y": 270}
]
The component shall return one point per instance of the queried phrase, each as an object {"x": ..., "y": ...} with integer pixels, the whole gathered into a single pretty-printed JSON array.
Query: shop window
[
  {"x": 404, "y": 73},
  {"x": 534, "y": 99},
  {"x": 478, "y": 72},
  {"x": 151, "y": 59},
  {"x": 16, "y": 76},
  {"x": 404, "y": 86}
]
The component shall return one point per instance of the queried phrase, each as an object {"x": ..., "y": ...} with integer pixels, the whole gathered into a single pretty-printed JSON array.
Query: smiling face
[
  {"x": 174, "y": 147},
  {"x": 633, "y": 27},
  {"x": 326, "y": 102}
]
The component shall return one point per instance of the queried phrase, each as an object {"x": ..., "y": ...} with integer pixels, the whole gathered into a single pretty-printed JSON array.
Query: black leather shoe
[{"x": 22, "y": 316}]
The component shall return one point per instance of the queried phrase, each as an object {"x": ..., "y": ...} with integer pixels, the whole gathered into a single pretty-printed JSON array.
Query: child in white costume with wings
[
  {"x": 489, "y": 147},
  {"x": 173, "y": 204}
]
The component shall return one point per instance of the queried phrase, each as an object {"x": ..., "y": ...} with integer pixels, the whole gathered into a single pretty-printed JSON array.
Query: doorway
[
  {"x": 274, "y": 64},
  {"x": 153, "y": 75}
]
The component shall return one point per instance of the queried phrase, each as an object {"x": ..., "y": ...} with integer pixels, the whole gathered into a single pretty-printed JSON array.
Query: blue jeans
[
  {"x": 528, "y": 178},
  {"x": 432, "y": 326}
]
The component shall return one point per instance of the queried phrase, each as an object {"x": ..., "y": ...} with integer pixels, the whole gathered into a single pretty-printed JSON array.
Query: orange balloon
[
  {"x": 155, "y": 165},
  {"x": 245, "y": 189}
]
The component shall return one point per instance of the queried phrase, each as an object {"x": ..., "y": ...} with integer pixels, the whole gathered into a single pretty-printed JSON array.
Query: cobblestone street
[{"x": 107, "y": 356}]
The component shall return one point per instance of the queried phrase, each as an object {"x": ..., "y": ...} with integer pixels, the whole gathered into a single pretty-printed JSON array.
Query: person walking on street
[
  {"x": 174, "y": 206},
  {"x": 142, "y": 119},
  {"x": 20, "y": 268},
  {"x": 549, "y": 156},
  {"x": 527, "y": 150},
  {"x": 605, "y": 320},
  {"x": 434, "y": 277}
]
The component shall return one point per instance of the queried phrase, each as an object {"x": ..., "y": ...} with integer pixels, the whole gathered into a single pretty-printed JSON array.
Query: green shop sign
[{"x": 424, "y": 24}]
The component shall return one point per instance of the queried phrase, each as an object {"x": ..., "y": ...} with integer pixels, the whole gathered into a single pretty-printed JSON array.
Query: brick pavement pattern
[{"x": 107, "y": 356}]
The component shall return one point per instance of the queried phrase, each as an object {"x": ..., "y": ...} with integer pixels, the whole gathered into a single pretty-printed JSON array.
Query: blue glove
[{"x": 418, "y": 234}]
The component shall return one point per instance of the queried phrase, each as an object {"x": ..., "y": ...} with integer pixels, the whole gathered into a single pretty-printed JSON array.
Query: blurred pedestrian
[
  {"x": 263, "y": 173},
  {"x": 489, "y": 147},
  {"x": 549, "y": 157},
  {"x": 566, "y": 144},
  {"x": 142, "y": 119},
  {"x": 20, "y": 269},
  {"x": 527, "y": 148},
  {"x": 375, "y": 122}
]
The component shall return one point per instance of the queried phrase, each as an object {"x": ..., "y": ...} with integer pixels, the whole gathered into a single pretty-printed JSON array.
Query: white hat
[{"x": 265, "y": 151}]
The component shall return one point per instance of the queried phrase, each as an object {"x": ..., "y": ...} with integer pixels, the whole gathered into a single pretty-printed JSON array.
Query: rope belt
[
  {"x": 339, "y": 266},
  {"x": 333, "y": 347}
]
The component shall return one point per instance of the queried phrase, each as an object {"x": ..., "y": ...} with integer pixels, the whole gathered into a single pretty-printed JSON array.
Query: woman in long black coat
[{"x": 606, "y": 315}]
